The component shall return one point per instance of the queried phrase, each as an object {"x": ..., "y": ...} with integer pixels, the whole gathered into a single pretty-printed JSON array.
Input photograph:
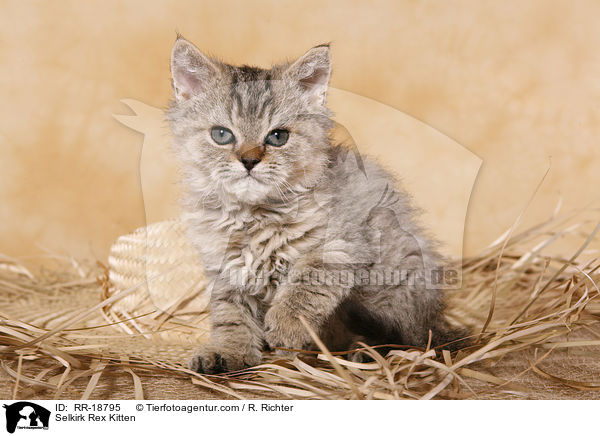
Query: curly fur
[{"x": 311, "y": 231}]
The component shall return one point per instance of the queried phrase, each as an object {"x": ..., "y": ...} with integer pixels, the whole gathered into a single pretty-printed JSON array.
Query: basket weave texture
[{"x": 169, "y": 279}]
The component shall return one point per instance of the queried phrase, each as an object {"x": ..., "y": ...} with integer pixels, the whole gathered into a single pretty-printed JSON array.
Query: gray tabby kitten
[{"x": 288, "y": 225}]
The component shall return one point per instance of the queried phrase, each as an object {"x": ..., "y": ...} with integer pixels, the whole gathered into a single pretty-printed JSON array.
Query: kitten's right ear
[{"x": 190, "y": 69}]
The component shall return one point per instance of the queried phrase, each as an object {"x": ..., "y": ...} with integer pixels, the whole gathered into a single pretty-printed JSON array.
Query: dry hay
[{"x": 518, "y": 299}]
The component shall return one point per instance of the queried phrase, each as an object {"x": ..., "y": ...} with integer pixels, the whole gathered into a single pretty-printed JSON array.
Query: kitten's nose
[
  {"x": 249, "y": 162},
  {"x": 250, "y": 154}
]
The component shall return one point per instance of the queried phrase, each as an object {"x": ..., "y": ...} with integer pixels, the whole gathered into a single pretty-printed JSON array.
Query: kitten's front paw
[
  {"x": 283, "y": 329},
  {"x": 211, "y": 359}
]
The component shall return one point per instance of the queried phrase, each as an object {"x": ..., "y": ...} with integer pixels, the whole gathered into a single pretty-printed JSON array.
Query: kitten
[{"x": 288, "y": 225}]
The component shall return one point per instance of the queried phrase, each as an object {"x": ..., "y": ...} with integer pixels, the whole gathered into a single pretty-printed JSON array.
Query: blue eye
[
  {"x": 221, "y": 135},
  {"x": 277, "y": 137}
]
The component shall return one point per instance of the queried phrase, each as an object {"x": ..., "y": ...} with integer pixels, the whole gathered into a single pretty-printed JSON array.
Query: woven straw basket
[{"x": 170, "y": 297}]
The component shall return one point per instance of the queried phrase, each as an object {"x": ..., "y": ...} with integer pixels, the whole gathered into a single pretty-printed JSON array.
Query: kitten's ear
[
  {"x": 190, "y": 69},
  {"x": 312, "y": 71}
]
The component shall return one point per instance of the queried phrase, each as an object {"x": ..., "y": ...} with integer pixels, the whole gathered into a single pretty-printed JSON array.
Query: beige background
[{"x": 516, "y": 83}]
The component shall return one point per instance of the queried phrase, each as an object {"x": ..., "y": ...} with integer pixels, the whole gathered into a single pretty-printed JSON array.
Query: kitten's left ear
[{"x": 312, "y": 71}]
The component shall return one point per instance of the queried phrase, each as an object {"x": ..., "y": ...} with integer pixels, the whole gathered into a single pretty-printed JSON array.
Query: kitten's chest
[
  {"x": 261, "y": 260},
  {"x": 255, "y": 255}
]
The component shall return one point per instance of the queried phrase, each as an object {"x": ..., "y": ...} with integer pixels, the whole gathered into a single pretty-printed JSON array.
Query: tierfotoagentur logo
[{"x": 24, "y": 415}]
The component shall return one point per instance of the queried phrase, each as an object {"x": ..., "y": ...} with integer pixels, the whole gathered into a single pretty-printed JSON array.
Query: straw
[{"x": 75, "y": 325}]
